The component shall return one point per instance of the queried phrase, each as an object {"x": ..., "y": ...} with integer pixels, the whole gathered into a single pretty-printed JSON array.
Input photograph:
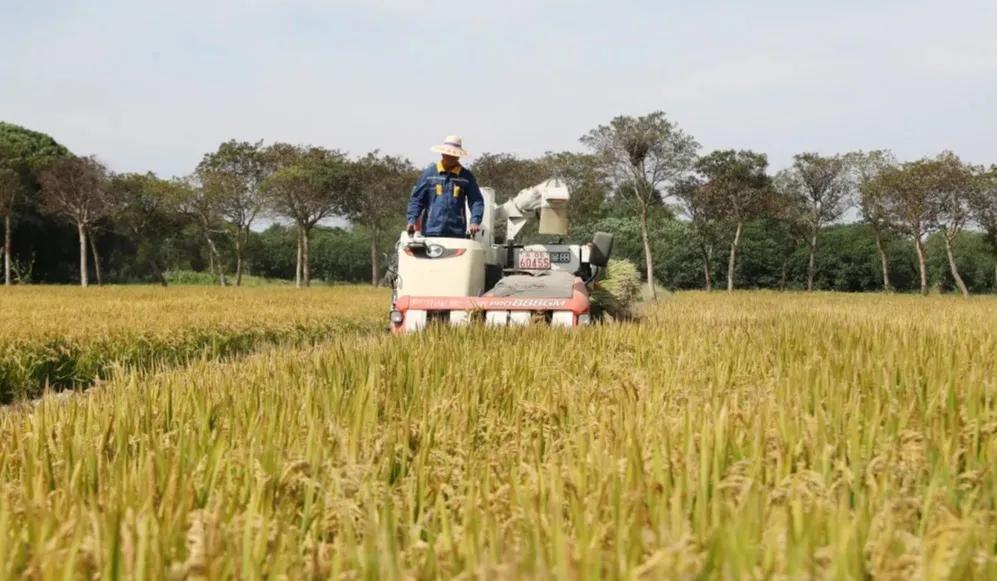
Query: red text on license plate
[{"x": 533, "y": 260}]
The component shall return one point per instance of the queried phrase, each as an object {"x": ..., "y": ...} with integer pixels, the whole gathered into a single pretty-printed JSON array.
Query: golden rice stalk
[{"x": 618, "y": 293}]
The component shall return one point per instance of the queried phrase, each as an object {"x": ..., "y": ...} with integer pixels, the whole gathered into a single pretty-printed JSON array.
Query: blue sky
[{"x": 153, "y": 85}]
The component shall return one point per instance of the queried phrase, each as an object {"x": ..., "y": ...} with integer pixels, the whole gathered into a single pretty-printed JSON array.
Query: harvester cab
[{"x": 455, "y": 280}]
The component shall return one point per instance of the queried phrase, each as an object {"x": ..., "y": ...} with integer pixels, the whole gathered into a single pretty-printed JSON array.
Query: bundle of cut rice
[{"x": 618, "y": 292}]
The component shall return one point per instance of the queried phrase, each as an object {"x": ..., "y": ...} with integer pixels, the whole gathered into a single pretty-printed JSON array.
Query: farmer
[{"x": 443, "y": 191}]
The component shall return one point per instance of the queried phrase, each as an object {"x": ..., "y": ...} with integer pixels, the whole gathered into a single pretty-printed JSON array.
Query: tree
[
  {"x": 737, "y": 181},
  {"x": 908, "y": 205},
  {"x": 865, "y": 167},
  {"x": 507, "y": 174},
  {"x": 951, "y": 186},
  {"x": 379, "y": 186},
  {"x": 705, "y": 215},
  {"x": 309, "y": 185},
  {"x": 586, "y": 180},
  {"x": 146, "y": 211},
  {"x": 22, "y": 153},
  {"x": 790, "y": 228},
  {"x": 231, "y": 178},
  {"x": 75, "y": 188},
  {"x": 822, "y": 187},
  {"x": 92, "y": 239},
  {"x": 984, "y": 206},
  {"x": 10, "y": 185},
  {"x": 646, "y": 154},
  {"x": 195, "y": 203}
]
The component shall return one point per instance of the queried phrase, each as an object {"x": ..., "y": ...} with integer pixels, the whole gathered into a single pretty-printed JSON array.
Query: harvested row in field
[
  {"x": 67, "y": 337},
  {"x": 747, "y": 436}
]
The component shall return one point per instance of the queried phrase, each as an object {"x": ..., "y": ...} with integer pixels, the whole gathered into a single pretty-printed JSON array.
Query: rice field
[
  {"x": 758, "y": 435},
  {"x": 63, "y": 337}
]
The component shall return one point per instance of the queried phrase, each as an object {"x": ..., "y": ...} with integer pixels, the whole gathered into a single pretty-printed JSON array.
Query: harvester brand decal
[
  {"x": 487, "y": 303},
  {"x": 527, "y": 303}
]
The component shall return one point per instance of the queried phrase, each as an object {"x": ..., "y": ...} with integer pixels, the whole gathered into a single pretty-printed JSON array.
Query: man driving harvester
[{"x": 443, "y": 191}]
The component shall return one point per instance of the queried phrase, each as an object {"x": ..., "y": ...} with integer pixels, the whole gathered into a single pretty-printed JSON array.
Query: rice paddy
[
  {"x": 754, "y": 435},
  {"x": 64, "y": 337}
]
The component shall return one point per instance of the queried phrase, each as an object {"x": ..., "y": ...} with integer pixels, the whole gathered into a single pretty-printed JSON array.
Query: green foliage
[
  {"x": 847, "y": 260},
  {"x": 307, "y": 184},
  {"x": 159, "y": 225},
  {"x": 643, "y": 156},
  {"x": 146, "y": 213},
  {"x": 25, "y": 151},
  {"x": 973, "y": 257},
  {"x": 23, "y": 154},
  {"x": 678, "y": 262},
  {"x": 195, "y": 278},
  {"x": 737, "y": 183},
  {"x": 769, "y": 258},
  {"x": 337, "y": 254}
]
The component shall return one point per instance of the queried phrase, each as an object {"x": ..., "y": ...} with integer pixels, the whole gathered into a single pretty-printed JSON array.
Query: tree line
[
  {"x": 228, "y": 192},
  {"x": 652, "y": 159},
  {"x": 821, "y": 223}
]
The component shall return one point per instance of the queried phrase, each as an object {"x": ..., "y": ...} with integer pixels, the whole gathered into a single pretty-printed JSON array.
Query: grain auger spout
[{"x": 496, "y": 278}]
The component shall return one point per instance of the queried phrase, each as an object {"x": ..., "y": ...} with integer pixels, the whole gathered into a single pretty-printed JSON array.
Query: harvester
[{"x": 494, "y": 278}]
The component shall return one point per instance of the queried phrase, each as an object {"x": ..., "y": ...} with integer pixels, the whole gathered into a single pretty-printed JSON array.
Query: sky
[{"x": 153, "y": 85}]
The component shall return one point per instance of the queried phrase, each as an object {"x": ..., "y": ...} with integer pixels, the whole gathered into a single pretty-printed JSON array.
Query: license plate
[{"x": 533, "y": 260}]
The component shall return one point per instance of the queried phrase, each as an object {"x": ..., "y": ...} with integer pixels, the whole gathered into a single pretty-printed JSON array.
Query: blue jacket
[{"x": 442, "y": 195}]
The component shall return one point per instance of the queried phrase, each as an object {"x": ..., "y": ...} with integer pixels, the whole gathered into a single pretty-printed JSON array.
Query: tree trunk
[
  {"x": 306, "y": 272},
  {"x": 919, "y": 246},
  {"x": 157, "y": 272},
  {"x": 708, "y": 266},
  {"x": 211, "y": 255},
  {"x": 84, "y": 276},
  {"x": 215, "y": 259},
  {"x": 96, "y": 259},
  {"x": 375, "y": 264},
  {"x": 883, "y": 263},
  {"x": 811, "y": 264},
  {"x": 952, "y": 267},
  {"x": 238, "y": 257},
  {"x": 6, "y": 249},
  {"x": 784, "y": 273},
  {"x": 648, "y": 257},
  {"x": 733, "y": 256},
  {"x": 297, "y": 262}
]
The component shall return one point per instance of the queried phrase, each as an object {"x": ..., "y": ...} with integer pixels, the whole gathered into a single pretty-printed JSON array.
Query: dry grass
[{"x": 753, "y": 436}]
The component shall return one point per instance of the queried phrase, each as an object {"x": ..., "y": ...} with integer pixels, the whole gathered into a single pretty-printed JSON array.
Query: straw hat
[{"x": 452, "y": 145}]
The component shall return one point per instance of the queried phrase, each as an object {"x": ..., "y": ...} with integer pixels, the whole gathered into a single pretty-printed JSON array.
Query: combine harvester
[{"x": 457, "y": 280}]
